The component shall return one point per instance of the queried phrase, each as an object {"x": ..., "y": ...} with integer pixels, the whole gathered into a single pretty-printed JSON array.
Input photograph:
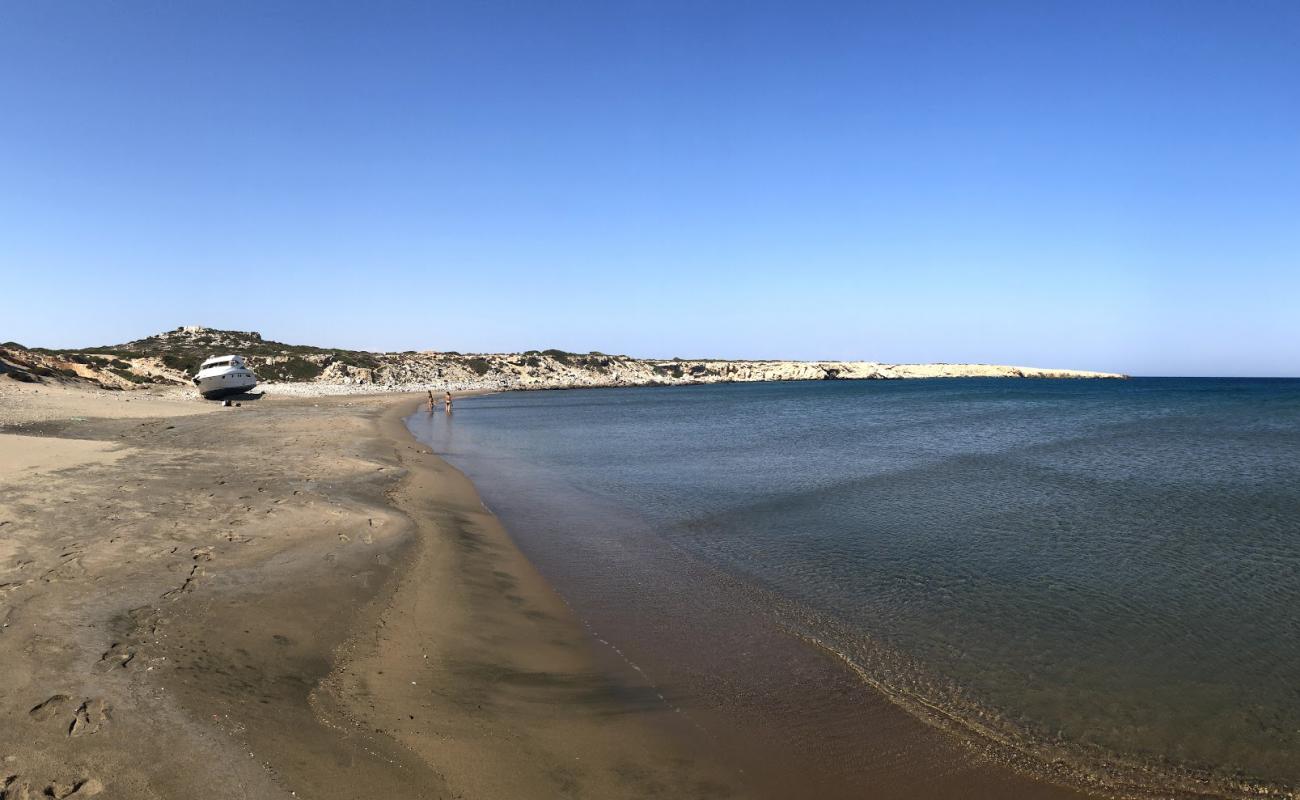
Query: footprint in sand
[
  {"x": 186, "y": 587},
  {"x": 20, "y": 790},
  {"x": 70, "y": 569},
  {"x": 117, "y": 655},
  {"x": 49, "y": 708},
  {"x": 90, "y": 717},
  {"x": 145, "y": 621}
]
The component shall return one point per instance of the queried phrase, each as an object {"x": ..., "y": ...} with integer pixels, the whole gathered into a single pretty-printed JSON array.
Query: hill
[{"x": 173, "y": 357}]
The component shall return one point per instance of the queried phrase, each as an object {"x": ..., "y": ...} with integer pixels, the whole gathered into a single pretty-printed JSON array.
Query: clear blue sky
[{"x": 1108, "y": 185}]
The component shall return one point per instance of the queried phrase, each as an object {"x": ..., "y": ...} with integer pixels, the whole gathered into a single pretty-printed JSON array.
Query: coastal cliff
[{"x": 174, "y": 356}]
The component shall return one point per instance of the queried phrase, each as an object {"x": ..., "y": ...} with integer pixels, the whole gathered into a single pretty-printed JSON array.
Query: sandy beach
[
  {"x": 289, "y": 598},
  {"x": 295, "y": 598}
]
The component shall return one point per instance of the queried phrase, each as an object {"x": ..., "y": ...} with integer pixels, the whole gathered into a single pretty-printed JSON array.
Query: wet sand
[
  {"x": 295, "y": 598},
  {"x": 794, "y": 716}
]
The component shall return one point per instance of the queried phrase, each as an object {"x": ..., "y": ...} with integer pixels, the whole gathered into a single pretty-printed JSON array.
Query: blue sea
[{"x": 1105, "y": 573}]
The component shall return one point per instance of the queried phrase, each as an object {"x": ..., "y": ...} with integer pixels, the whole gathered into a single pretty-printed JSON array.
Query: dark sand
[{"x": 294, "y": 598}]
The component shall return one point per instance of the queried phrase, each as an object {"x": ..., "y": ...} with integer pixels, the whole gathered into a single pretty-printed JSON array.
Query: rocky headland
[{"x": 171, "y": 358}]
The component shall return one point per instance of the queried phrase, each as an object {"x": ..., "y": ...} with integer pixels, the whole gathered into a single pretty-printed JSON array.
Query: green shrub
[
  {"x": 128, "y": 375},
  {"x": 558, "y": 355},
  {"x": 296, "y": 368},
  {"x": 186, "y": 364},
  {"x": 480, "y": 366},
  {"x": 356, "y": 358}
]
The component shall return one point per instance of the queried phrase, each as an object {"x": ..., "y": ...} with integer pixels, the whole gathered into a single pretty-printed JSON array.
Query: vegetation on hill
[{"x": 174, "y": 357}]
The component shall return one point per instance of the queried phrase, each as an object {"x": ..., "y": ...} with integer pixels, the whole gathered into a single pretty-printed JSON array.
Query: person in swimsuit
[{"x": 447, "y": 402}]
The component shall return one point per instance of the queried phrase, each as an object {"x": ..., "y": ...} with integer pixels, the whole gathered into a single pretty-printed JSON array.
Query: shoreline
[
  {"x": 529, "y": 691},
  {"x": 862, "y": 736},
  {"x": 469, "y": 388},
  {"x": 1045, "y": 767},
  {"x": 293, "y": 598},
  {"x": 344, "y": 617}
]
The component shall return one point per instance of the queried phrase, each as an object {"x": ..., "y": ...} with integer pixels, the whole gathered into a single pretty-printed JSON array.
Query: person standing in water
[
  {"x": 431, "y": 403},
  {"x": 447, "y": 402}
]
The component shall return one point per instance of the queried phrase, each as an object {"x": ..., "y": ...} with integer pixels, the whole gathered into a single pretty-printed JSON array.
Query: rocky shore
[{"x": 171, "y": 358}]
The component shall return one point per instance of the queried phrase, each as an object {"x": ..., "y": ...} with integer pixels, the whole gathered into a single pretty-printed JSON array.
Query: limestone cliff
[{"x": 172, "y": 357}]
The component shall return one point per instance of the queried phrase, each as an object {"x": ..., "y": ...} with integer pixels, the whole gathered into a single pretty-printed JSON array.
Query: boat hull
[
  {"x": 224, "y": 391},
  {"x": 224, "y": 384}
]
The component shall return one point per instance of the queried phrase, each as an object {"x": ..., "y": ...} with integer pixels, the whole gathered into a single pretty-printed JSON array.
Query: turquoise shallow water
[{"x": 1102, "y": 568}]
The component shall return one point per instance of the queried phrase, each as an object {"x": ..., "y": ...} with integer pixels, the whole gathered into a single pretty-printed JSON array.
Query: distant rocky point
[{"x": 174, "y": 356}]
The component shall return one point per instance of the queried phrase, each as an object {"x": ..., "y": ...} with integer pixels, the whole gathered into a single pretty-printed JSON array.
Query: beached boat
[{"x": 224, "y": 375}]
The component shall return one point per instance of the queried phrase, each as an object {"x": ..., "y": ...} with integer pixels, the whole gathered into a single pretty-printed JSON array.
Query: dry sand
[
  {"x": 287, "y": 597},
  {"x": 25, "y": 404},
  {"x": 36, "y": 456}
]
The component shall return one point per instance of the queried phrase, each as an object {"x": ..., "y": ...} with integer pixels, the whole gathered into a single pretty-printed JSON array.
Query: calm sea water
[{"x": 1099, "y": 568}]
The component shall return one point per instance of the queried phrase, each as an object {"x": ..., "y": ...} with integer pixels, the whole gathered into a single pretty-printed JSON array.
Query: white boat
[{"x": 224, "y": 375}]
